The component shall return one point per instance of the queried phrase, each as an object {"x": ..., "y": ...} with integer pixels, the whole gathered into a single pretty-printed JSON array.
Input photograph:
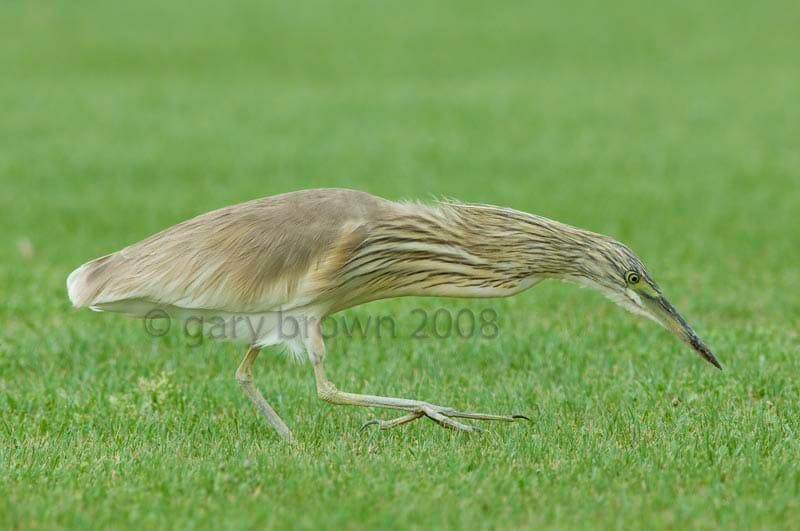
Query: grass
[{"x": 673, "y": 127}]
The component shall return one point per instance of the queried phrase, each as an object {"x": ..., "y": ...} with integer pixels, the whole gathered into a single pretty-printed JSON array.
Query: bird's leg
[
  {"x": 244, "y": 376},
  {"x": 444, "y": 416}
]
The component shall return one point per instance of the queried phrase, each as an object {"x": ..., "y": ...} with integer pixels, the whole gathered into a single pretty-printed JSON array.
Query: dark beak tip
[
  {"x": 705, "y": 352},
  {"x": 680, "y": 327}
]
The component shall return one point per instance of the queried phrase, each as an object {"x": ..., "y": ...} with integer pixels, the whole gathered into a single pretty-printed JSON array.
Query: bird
[{"x": 307, "y": 254}]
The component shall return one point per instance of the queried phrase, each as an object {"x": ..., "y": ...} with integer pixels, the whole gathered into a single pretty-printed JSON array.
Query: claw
[
  {"x": 518, "y": 416},
  {"x": 368, "y": 423}
]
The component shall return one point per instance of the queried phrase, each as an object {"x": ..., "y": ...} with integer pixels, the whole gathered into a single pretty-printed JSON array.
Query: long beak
[{"x": 669, "y": 317}]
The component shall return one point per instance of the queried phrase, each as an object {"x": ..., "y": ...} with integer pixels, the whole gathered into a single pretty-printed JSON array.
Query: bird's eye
[{"x": 632, "y": 277}]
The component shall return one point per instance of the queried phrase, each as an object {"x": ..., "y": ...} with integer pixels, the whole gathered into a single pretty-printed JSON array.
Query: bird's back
[{"x": 247, "y": 258}]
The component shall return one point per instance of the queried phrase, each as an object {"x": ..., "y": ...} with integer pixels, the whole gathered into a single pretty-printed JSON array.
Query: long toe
[
  {"x": 445, "y": 421},
  {"x": 450, "y": 412},
  {"x": 443, "y": 416},
  {"x": 389, "y": 424}
]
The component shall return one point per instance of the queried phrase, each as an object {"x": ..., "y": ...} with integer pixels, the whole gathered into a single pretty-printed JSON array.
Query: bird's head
[{"x": 612, "y": 268}]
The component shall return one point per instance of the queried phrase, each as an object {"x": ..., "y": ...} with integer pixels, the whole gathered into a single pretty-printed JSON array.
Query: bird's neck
[
  {"x": 457, "y": 250},
  {"x": 516, "y": 244}
]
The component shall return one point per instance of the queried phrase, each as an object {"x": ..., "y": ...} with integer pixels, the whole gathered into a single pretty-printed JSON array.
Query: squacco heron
[{"x": 311, "y": 253}]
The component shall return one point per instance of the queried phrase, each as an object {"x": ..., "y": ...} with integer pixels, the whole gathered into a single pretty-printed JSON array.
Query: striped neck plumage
[{"x": 461, "y": 250}]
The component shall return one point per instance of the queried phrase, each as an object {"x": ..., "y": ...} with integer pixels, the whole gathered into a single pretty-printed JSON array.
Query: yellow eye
[{"x": 632, "y": 277}]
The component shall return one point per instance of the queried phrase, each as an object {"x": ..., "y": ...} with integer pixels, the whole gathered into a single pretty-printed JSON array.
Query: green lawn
[{"x": 672, "y": 127}]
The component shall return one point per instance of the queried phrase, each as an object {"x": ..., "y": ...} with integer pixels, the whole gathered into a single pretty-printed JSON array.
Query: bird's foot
[{"x": 443, "y": 416}]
